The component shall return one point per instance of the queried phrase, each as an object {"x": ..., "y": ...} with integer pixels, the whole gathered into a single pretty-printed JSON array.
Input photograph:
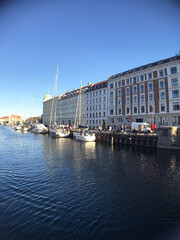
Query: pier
[
  {"x": 146, "y": 140},
  {"x": 167, "y": 138}
]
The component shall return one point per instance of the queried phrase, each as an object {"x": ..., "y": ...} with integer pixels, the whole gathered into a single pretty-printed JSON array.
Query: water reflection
[
  {"x": 173, "y": 163},
  {"x": 77, "y": 190}
]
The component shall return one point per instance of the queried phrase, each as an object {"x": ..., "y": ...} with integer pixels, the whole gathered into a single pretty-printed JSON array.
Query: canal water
[{"x": 66, "y": 189}]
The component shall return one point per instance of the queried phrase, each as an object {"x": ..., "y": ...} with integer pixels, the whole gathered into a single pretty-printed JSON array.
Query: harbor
[{"x": 94, "y": 190}]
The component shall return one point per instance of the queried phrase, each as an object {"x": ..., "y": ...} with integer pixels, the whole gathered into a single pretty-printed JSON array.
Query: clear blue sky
[{"x": 88, "y": 39}]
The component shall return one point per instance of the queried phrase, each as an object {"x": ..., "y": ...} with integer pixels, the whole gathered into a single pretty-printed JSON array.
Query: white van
[{"x": 141, "y": 127}]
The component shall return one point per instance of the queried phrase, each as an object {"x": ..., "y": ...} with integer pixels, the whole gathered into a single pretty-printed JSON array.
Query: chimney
[
  {"x": 89, "y": 83},
  {"x": 74, "y": 89}
]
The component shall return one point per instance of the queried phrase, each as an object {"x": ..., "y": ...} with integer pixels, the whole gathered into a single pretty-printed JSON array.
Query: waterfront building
[
  {"x": 149, "y": 93},
  {"x": 69, "y": 108},
  {"x": 12, "y": 119},
  {"x": 96, "y": 104}
]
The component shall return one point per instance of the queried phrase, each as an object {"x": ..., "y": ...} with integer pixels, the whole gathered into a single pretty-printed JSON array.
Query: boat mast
[{"x": 54, "y": 100}]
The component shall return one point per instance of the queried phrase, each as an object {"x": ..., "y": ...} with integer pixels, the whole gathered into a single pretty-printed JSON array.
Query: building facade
[
  {"x": 66, "y": 109},
  {"x": 96, "y": 105},
  {"x": 149, "y": 93}
]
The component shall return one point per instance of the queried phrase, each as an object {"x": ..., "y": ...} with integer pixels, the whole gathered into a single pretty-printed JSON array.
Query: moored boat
[
  {"x": 39, "y": 128},
  {"x": 59, "y": 133},
  {"x": 86, "y": 137}
]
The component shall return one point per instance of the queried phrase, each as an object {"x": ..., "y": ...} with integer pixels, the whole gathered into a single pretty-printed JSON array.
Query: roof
[
  {"x": 94, "y": 84},
  {"x": 149, "y": 65}
]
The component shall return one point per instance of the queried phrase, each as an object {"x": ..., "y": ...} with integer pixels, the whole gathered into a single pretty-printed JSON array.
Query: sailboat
[
  {"x": 82, "y": 135},
  {"x": 55, "y": 131}
]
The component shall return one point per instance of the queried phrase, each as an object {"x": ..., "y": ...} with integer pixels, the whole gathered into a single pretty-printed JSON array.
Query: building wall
[
  {"x": 96, "y": 105},
  {"x": 154, "y": 86}
]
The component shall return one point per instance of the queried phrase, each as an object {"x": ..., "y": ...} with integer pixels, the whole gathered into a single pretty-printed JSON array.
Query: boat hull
[
  {"x": 58, "y": 134},
  {"x": 89, "y": 138}
]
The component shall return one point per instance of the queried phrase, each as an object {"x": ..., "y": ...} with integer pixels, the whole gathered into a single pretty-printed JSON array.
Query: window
[
  {"x": 90, "y": 94},
  {"x": 142, "y": 88},
  {"x": 135, "y": 109},
  {"x": 100, "y": 121},
  {"x": 111, "y": 85},
  {"x": 127, "y": 110},
  {"x": 163, "y": 107},
  {"x": 90, "y": 101},
  {"x": 173, "y": 70},
  {"x": 119, "y": 83},
  {"x": 111, "y": 103},
  {"x": 96, "y": 93},
  {"x": 99, "y": 92},
  {"x": 111, "y": 94},
  {"x": 176, "y": 106},
  {"x": 161, "y": 73},
  {"x": 111, "y": 112},
  {"x": 174, "y": 82},
  {"x": 135, "y": 99},
  {"x": 104, "y": 91},
  {"x": 96, "y": 100},
  {"x": 127, "y": 91},
  {"x": 150, "y": 86},
  {"x": 149, "y": 75},
  {"x": 141, "y": 78},
  {"x": 127, "y": 81},
  {"x": 134, "y": 80},
  {"x": 119, "y": 101},
  {"x": 142, "y": 109},
  {"x": 119, "y": 92},
  {"x": 150, "y": 108},
  {"x": 99, "y": 114},
  {"x": 104, "y": 106},
  {"x": 128, "y": 100},
  {"x": 142, "y": 98},
  {"x": 161, "y": 84},
  {"x": 93, "y": 100},
  {"x": 87, "y": 115},
  {"x": 96, "y": 114},
  {"x": 119, "y": 111},
  {"x": 151, "y": 97},
  {"x": 104, "y": 114},
  {"x": 87, "y": 102},
  {"x": 99, "y": 107},
  {"x": 96, "y": 107},
  {"x": 93, "y": 94},
  {"x": 175, "y": 94},
  {"x": 162, "y": 95},
  {"x": 134, "y": 89},
  {"x": 100, "y": 99},
  {"x": 87, "y": 95},
  {"x": 104, "y": 98}
]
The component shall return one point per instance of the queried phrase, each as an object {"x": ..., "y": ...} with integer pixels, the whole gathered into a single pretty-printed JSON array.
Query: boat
[
  {"x": 18, "y": 128},
  {"x": 54, "y": 130},
  {"x": 59, "y": 133},
  {"x": 86, "y": 137},
  {"x": 39, "y": 128}
]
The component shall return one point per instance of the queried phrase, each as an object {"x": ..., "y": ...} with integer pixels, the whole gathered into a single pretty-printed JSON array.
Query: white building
[
  {"x": 96, "y": 104},
  {"x": 67, "y": 108}
]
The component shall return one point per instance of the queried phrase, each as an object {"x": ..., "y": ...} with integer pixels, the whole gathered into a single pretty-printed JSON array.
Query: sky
[{"x": 88, "y": 39}]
